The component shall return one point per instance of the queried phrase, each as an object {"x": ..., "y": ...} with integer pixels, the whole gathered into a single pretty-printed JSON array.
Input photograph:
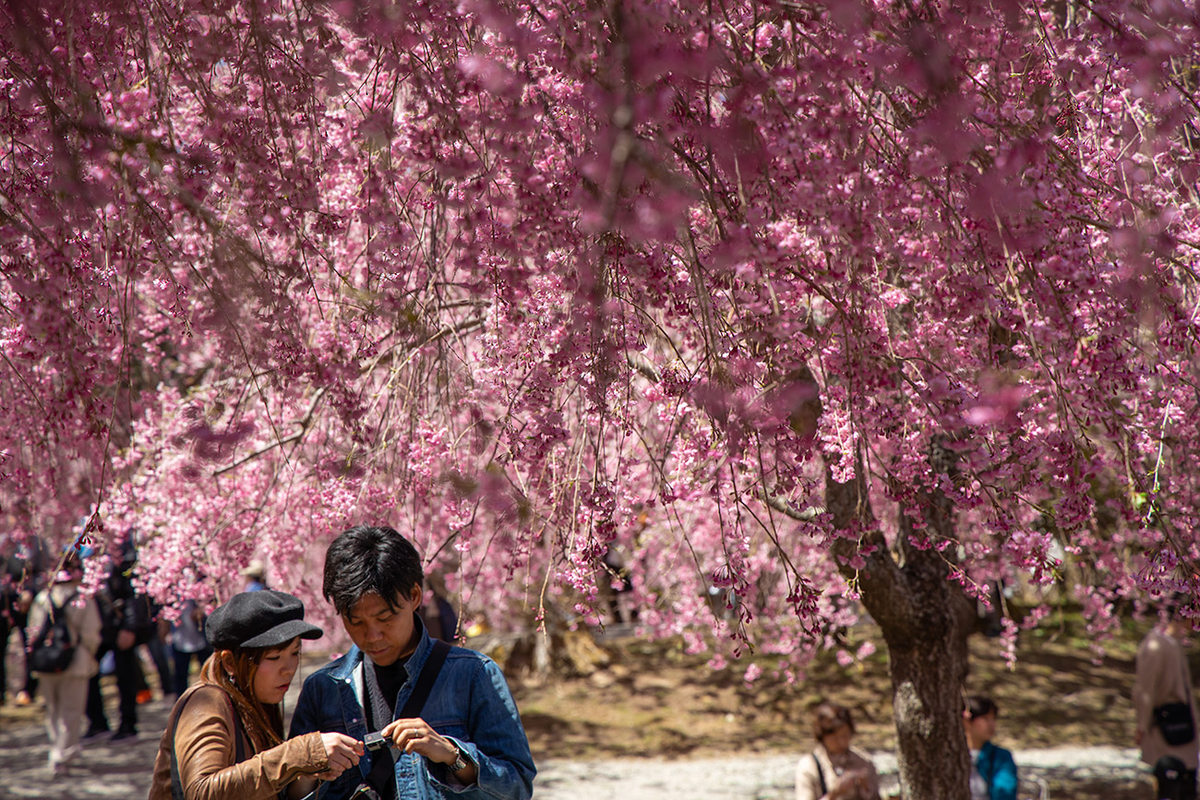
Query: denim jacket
[{"x": 470, "y": 703}]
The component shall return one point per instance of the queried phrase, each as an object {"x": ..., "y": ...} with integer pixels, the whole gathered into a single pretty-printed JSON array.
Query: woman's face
[
  {"x": 981, "y": 729},
  {"x": 838, "y": 742},
  {"x": 275, "y": 671}
]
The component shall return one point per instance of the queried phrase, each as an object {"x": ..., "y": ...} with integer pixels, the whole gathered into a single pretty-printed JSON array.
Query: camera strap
[{"x": 382, "y": 777}]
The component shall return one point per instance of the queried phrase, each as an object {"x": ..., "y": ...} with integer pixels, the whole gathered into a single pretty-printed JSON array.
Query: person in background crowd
[
  {"x": 27, "y": 567},
  {"x": 1163, "y": 677},
  {"x": 9, "y": 596},
  {"x": 993, "y": 771},
  {"x": 129, "y": 623},
  {"x": 256, "y": 576},
  {"x": 109, "y": 625},
  {"x": 225, "y": 740},
  {"x": 66, "y": 692},
  {"x": 160, "y": 652},
  {"x": 439, "y": 616},
  {"x": 834, "y": 770},
  {"x": 187, "y": 642}
]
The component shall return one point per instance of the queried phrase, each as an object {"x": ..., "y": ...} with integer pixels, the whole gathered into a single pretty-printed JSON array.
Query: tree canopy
[{"x": 537, "y": 282}]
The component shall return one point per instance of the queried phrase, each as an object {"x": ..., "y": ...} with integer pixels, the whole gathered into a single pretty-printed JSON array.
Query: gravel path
[
  {"x": 121, "y": 769},
  {"x": 773, "y": 777}
]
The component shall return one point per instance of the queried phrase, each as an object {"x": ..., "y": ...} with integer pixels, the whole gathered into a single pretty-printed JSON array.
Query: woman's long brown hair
[{"x": 264, "y": 723}]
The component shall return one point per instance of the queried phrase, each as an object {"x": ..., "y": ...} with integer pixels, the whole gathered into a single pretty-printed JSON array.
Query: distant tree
[{"x": 794, "y": 303}]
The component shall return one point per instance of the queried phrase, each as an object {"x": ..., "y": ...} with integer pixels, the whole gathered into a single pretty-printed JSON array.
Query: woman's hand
[
  {"x": 853, "y": 784},
  {"x": 342, "y": 752}
]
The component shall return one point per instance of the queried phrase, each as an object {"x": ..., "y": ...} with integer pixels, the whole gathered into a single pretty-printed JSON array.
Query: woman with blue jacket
[{"x": 993, "y": 771}]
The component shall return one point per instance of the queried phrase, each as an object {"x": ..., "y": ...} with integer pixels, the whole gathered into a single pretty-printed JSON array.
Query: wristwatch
[{"x": 459, "y": 761}]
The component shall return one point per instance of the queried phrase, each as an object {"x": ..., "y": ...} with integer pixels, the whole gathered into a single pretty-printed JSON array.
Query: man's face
[{"x": 384, "y": 634}]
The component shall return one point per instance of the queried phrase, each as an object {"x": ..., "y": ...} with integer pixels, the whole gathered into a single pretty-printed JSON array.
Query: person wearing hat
[
  {"x": 256, "y": 574},
  {"x": 224, "y": 738},
  {"x": 66, "y": 690}
]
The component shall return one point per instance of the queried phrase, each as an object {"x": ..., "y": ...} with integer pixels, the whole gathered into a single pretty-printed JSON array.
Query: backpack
[{"x": 52, "y": 651}]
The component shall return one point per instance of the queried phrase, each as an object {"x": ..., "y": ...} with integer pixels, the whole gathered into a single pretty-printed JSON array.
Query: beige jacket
[
  {"x": 205, "y": 752},
  {"x": 83, "y": 621},
  {"x": 1162, "y": 677},
  {"x": 808, "y": 781}
]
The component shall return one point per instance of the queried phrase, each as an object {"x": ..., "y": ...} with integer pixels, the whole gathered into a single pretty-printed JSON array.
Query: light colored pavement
[
  {"x": 122, "y": 769},
  {"x": 773, "y": 777}
]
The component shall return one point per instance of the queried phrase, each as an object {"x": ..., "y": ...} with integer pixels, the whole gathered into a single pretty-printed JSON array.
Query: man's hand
[
  {"x": 415, "y": 736},
  {"x": 342, "y": 751},
  {"x": 126, "y": 639}
]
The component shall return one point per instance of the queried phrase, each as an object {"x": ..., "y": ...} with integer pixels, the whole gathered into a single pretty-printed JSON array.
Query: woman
[
  {"x": 224, "y": 739},
  {"x": 66, "y": 691},
  {"x": 834, "y": 771},
  {"x": 993, "y": 771}
]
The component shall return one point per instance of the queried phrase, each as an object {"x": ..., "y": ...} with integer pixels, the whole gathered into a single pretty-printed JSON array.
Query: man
[
  {"x": 1163, "y": 678},
  {"x": 993, "y": 771},
  {"x": 128, "y": 623},
  {"x": 466, "y": 740}
]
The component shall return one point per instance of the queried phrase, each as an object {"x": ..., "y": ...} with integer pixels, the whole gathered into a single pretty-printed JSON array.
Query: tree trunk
[{"x": 925, "y": 620}]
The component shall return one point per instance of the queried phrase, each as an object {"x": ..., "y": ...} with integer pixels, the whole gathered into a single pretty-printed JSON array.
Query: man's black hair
[{"x": 370, "y": 560}]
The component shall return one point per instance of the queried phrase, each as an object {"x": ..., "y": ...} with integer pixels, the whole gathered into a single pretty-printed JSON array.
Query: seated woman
[
  {"x": 224, "y": 738},
  {"x": 834, "y": 771},
  {"x": 993, "y": 771}
]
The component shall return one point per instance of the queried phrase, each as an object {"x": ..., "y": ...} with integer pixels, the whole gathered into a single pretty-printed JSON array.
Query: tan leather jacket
[{"x": 205, "y": 752}]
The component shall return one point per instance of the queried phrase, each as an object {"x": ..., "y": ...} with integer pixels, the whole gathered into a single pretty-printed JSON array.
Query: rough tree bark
[{"x": 925, "y": 620}]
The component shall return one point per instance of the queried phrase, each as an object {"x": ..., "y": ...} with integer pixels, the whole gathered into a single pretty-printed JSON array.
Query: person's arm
[
  {"x": 498, "y": 747},
  {"x": 808, "y": 786},
  {"x": 36, "y": 619},
  {"x": 89, "y": 627},
  {"x": 1146, "y": 675},
  {"x": 204, "y": 749}
]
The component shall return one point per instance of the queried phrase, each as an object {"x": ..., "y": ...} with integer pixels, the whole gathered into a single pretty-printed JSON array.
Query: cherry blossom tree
[{"x": 794, "y": 305}]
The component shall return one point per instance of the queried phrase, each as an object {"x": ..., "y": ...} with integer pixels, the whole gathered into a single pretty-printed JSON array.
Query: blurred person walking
[
  {"x": 224, "y": 740},
  {"x": 255, "y": 574},
  {"x": 65, "y": 688},
  {"x": 188, "y": 642},
  {"x": 1166, "y": 706},
  {"x": 26, "y": 568}
]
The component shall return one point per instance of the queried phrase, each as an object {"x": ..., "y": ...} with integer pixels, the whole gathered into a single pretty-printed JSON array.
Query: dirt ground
[
  {"x": 636, "y": 699},
  {"x": 653, "y": 700}
]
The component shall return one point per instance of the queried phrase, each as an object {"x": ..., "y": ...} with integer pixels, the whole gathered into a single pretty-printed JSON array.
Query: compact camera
[{"x": 375, "y": 741}]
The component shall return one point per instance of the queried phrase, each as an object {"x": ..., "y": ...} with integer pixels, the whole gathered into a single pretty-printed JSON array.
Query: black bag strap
[
  {"x": 382, "y": 777},
  {"x": 820, "y": 775},
  {"x": 429, "y": 673},
  {"x": 239, "y": 747}
]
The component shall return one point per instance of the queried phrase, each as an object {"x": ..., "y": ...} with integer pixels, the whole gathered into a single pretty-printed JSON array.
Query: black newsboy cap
[{"x": 265, "y": 618}]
